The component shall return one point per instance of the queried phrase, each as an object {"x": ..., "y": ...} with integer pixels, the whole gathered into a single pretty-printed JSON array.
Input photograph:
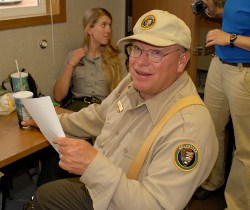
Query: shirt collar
[
  {"x": 158, "y": 103},
  {"x": 90, "y": 59}
]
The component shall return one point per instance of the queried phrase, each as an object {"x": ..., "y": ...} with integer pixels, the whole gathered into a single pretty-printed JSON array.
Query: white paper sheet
[{"x": 43, "y": 112}]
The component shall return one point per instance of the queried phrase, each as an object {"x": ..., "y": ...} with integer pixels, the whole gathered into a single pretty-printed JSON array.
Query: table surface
[{"x": 16, "y": 143}]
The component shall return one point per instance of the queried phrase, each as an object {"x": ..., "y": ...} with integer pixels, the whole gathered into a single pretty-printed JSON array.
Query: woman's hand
[
  {"x": 75, "y": 154},
  {"x": 76, "y": 56},
  {"x": 218, "y": 37},
  {"x": 210, "y": 6}
]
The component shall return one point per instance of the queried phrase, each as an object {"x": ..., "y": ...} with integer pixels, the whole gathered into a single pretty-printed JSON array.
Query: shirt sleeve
[
  {"x": 110, "y": 189},
  {"x": 85, "y": 123}
]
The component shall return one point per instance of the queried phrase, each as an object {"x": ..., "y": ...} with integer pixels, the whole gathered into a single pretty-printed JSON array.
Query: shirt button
[
  {"x": 101, "y": 145},
  {"x": 180, "y": 95}
]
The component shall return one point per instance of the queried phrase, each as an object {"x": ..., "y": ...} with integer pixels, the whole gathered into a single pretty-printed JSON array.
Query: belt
[
  {"x": 89, "y": 99},
  {"x": 236, "y": 64}
]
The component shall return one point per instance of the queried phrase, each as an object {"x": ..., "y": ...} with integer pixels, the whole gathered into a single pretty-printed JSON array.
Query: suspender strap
[{"x": 141, "y": 155}]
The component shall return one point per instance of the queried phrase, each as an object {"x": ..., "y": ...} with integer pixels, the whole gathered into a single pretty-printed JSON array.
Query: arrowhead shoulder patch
[{"x": 186, "y": 157}]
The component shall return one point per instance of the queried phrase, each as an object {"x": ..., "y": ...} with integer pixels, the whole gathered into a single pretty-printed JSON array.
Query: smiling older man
[{"x": 181, "y": 155}]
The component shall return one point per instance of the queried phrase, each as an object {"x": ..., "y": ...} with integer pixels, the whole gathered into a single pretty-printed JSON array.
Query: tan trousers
[{"x": 227, "y": 91}]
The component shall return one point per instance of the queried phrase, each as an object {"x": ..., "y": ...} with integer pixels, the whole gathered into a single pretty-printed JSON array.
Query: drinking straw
[{"x": 19, "y": 74}]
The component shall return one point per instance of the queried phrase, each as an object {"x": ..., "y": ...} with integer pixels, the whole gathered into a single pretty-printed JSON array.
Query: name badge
[{"x": 119, "y": 106}]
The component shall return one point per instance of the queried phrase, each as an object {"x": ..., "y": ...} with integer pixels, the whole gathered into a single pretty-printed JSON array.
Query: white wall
[{"x": 46, "y": 64}]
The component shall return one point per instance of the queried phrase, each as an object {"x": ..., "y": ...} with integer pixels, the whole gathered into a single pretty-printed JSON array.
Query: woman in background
[
  {"x": 90, "y": 74},
  {"x": 94, "y": 70}
]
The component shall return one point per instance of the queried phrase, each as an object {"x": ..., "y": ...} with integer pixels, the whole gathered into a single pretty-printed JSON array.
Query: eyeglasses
[{"x": 153, "y": 55}]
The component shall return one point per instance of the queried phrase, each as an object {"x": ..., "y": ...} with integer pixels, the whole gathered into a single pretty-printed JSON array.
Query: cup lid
[
  {"x": 23, "y": 94},
  {"x": 16, "y": 74}
]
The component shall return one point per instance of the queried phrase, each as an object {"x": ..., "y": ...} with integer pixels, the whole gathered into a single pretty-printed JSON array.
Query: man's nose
[{"x": 143, "y": 59}]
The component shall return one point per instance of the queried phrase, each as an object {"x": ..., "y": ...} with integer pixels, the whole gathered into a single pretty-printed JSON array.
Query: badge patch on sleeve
[{"x": 186, "y": 157}]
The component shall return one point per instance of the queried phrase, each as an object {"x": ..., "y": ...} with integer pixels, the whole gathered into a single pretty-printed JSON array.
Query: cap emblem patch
[
  {"x": 148, "y": 22},
  {"x": 186, "y": 157}
]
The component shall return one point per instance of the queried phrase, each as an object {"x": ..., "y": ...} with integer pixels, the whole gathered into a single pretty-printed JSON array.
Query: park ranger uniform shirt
[
  {"x": 180, "y": 159},
  {"x": 88, "y": 78}
]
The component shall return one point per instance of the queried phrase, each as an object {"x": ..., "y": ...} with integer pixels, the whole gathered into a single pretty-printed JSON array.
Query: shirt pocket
[
  {"x": 79, "y": 72},
  {"x": 130, "y": 152},
  {"x": 78, "y": 79}
]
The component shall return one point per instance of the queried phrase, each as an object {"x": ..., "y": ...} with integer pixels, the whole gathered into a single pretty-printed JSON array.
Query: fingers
[
  {"x": 75, "y": 154},
  {"x": 80, "y": 53},
  {"x": 209, "y": 44},
  {"x": 217, "y": 37},
  {"x": 29, "y": 123},
  {"x": 67, "y": 145},
  {"x": 77, "y": 55},
  {"x": 210, "y": 38}
]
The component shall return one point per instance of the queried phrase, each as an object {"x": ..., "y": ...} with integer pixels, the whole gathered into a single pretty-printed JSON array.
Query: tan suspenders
[{"x": 141, "y": 155}]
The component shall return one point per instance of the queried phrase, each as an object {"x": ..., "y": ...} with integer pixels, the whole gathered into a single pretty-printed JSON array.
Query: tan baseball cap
[{"x": 160, "y": 28}]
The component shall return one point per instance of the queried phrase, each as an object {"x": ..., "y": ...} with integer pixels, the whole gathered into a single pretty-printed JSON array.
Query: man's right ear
[{"x": 183, "y": 60}]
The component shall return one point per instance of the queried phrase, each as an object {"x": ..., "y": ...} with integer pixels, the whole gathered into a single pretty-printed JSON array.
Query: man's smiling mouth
[{"x": 140, "y": 73}]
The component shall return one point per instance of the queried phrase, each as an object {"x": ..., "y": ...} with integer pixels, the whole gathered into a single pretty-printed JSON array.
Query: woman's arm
[
  {"x": 243, "y": 42},
  {"x": 219, "y": 37},
  {"x": 62, "y": 85}
]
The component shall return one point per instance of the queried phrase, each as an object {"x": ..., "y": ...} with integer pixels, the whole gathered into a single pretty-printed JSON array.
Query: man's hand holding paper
[{"x": 45, "y": 117}]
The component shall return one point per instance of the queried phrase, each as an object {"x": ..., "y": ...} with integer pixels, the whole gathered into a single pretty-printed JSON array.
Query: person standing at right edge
[{"x": 227, "y": 92}]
